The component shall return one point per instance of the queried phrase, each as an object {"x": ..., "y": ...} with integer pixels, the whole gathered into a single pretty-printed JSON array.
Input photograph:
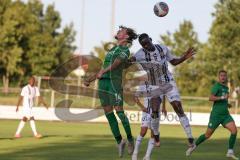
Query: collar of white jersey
[
  {"x": 156, "y": 50},
  {"x": 30, "y": 86}
]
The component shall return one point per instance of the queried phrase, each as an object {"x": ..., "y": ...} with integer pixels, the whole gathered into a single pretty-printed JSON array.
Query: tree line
[
  {"x": 31, "y": 42},
  {"x": 221, "y": 51}
]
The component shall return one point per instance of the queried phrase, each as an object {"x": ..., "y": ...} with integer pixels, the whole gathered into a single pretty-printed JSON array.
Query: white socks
[
  {"x": 186, "y": 126},
  {"x": 230, "y": 151},
  {"x": 32, "y": 124},
  {"x": 151, "y": 144},
  {"x": 20, "y": 127},
  {"x": 137, "y": 145}
]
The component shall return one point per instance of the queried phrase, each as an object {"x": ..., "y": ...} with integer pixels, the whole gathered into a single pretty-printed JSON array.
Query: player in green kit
[
  {"x": 219, "y": 115},
  {"x": 110, "y": 89}
]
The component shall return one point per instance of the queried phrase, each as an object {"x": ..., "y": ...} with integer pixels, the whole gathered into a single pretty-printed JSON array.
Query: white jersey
[
  {"x": 29, "y": 93},
  {"x": 156, "y": 64}
]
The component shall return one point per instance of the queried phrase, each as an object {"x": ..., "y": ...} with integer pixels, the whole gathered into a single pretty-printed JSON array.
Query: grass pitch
[{"x": 84, "y": 141}]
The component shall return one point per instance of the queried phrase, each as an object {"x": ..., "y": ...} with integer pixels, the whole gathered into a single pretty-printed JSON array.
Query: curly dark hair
[{"x": 131, "y": 33}]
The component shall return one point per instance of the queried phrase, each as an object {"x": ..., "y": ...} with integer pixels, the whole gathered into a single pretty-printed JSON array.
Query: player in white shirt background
[
  {"x": 154, "y": 59},
  {"x": 146, "y": 124},
  {"x": 27, "y": 97}
]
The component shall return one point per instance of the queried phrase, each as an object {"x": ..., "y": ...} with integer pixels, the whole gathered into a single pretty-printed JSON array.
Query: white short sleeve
[
  {"x": 169, "y": 55},
  {"x": 139, "y": 55},
  {"x": 24, "y": 92}
]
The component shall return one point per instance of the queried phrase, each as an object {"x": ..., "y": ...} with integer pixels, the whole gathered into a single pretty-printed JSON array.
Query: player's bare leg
[
  {"x": 177, "y": 106},
  {"x": 231, "y": 126},
  {"x": 127, "y": 128},
  {"x": 20, "y": 127},
  {"x": 155, "y": 105}
]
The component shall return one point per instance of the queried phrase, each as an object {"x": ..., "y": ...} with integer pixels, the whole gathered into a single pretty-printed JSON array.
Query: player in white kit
[
  {"x": 28, "y": 95},
  {"x": 154, "y": 59},
  {"x": 146, "y": 124}
]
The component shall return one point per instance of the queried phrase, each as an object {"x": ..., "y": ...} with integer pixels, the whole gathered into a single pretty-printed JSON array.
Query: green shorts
[
  {"x": 110, "y": 92},
  {"x": 216, "y": 120}
]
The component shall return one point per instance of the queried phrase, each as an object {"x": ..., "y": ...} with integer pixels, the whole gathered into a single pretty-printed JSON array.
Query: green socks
[
  {"x": 232, "y": 141},
  {"x": 114, "y": 126},
  {"x": 200, "y": 139},
  {"x": 126, "y": 125}
]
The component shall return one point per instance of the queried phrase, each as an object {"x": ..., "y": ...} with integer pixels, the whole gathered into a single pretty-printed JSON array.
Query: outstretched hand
[{"x": 190, "y": 52}]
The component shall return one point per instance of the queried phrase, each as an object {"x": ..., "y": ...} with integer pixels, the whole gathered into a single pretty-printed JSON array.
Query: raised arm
[{"x": 188, "y": 54}]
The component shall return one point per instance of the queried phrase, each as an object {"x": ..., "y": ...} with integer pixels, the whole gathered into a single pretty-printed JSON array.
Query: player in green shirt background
[
  {"x": 110, "y": 89},
  {"x": 219, "y": 115}
]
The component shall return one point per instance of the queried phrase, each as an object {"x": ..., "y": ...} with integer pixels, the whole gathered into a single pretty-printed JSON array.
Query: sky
[{"x": 137, "y": 14}]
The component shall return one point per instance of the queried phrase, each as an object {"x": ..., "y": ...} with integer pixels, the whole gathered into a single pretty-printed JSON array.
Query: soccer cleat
[
  {"x": 130, "y": 147},
  {"x": 231, "y": 155},
  {"x": 121, "y": 147},
  {"x": 190, "y": 150},
  {"x": 17, "y": 136},
  {"x": 146, "y": 158},
  {"x": 38, "y": 136},
  {"x": 134, "y": 157}
]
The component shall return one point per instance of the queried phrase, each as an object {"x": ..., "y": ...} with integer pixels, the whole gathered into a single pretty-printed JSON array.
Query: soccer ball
[{"x": 161, "y": 9}]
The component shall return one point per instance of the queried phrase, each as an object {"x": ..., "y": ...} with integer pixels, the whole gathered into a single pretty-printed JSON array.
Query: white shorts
[
  {"x": 170, "y": 90},
  {"x": 27, "y": 112},
  {"x": 146, "y": 117},
  {"x": 146, "y": 120},
  {"x": 173, "y": 94}
]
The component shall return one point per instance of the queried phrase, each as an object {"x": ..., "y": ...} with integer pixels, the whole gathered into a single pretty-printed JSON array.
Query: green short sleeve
[{"x": 214, "y": 89}]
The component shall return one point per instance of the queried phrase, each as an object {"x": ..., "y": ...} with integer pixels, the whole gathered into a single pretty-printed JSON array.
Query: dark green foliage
[{"x": 32, "y": 42}]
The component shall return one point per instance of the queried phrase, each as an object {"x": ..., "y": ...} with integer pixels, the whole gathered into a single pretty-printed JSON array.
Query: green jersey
[
  {"x": 220, "y": 107},
  {"x": 117, "y": 52}
]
